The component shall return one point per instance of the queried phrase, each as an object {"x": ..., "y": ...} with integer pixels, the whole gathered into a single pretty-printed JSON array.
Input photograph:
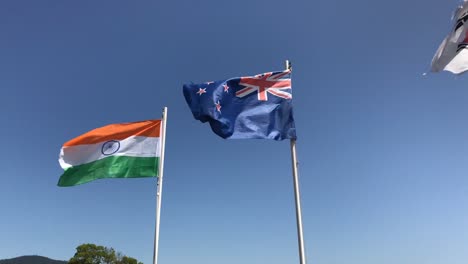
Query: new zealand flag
[{"x": 247, "y": 107}]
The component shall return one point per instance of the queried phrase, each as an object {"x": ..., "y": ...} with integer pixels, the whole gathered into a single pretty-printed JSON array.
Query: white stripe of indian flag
[
  {"x": 132, "y": 146},
  {"x": 127, "y": 150}
]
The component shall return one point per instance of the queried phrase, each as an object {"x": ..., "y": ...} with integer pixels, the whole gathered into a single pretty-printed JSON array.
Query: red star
[
  {"x": 226, "y": 88},
  {"x": 218, "y": 106},
  {"x": 201, "y": 91}
]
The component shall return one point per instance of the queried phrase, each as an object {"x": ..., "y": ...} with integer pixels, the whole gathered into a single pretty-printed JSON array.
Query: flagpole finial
[
  {"x": 164, "y": 111},
  {"x": 288, "y": 65}
]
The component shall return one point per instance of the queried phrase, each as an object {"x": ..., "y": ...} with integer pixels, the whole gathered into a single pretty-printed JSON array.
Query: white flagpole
[
  {"x": 160, "y": 183},
  {"x": 297, "y": 195}
]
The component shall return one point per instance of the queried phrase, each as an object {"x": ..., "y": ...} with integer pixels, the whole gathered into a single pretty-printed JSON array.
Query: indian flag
[{"x": 127, "y": 150}]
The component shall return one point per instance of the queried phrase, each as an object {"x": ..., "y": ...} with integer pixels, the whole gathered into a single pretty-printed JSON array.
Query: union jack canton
[{"x": 257, "y": 106}]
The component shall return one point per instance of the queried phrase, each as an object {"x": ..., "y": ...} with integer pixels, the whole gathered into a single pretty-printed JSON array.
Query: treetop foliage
[{"x": 94, "y": 254}]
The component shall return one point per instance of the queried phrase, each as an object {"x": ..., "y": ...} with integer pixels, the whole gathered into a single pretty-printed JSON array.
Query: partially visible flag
[
  {"x": 127, "y": 150},
  {"x": 245, "y": 107},
  {"x": 452, "y": 54}
]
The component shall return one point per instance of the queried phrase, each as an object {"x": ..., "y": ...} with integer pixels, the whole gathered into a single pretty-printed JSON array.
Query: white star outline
[
  {"x": 201, "y": 91},
  {"x": 218, "y": 106},
  {"x": 226, "y": 88}
]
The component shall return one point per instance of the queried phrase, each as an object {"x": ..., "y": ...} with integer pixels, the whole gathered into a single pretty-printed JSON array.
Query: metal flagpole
[
  {"x": 297, "y": 196},
  {"x": 160, "y": 183}
]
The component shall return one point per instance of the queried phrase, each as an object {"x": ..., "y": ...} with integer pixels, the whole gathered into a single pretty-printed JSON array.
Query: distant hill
[{"x": 31, "y": 260}]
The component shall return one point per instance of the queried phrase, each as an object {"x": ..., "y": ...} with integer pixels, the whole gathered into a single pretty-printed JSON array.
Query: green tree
[{"x": 93, "y": 254}]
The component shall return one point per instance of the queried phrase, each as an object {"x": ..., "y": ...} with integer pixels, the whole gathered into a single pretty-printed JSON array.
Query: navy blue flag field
[{"x": 257, "y": 106}]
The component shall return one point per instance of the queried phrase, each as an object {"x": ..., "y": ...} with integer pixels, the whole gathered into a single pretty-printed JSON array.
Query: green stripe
[{"x": 110, "y": 167}]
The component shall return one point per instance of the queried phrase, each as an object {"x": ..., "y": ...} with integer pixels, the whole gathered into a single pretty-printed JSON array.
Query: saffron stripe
[
  {"x": 149, "y": 128},
  {"x": 111, "y": 167}
]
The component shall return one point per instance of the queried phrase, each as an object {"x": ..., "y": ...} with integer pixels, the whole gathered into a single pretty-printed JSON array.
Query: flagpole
[
  {"x": 159, "y": 188},
  {"x": 297, "y": 195}
]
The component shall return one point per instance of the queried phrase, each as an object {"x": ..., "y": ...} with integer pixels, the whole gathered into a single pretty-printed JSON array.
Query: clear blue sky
[{"x": 383, "y": 149}]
